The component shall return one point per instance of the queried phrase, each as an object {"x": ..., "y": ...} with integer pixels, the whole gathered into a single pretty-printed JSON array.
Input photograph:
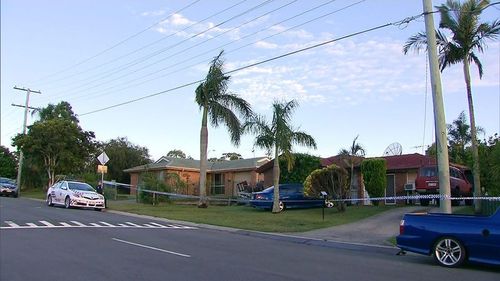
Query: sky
[{"x": 97, "y": 54}]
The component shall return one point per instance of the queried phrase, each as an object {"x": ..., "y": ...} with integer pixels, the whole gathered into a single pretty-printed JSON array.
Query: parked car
[
  {"x": 291, "y": 196},
  {"x": 427, "y": 182},
  {"x": 8, "y": 187},
  {"x": 452, "y": 239},
  {"x": 74, "y": 194}
]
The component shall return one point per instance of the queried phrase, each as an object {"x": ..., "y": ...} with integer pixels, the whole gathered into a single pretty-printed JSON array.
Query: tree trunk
[
  {"x": 203, "y": 160},
  {"x": 276, "y": 182},
  {"x": 473, "y": 131}
]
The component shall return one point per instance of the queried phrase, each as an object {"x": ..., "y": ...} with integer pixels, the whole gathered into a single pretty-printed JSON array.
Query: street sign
[
  {"x": 103, "y": 158},
  {"x": 102, "y": 169}
]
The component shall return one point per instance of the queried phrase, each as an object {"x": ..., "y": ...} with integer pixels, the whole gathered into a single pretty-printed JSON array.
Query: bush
[
  {"x": 374, "y": 176},
  {"x": 303, "y": 165},
  {"x": 151, "y": 182},
  {"x": 333, "y": 179}
]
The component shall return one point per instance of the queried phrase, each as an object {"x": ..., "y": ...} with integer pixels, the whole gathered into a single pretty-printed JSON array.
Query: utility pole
[
  {"x": 21, "y": 156},
  {"x": 439, "y": 119}
]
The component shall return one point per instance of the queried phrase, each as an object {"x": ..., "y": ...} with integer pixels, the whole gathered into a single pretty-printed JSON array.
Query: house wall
[
  {"x": 402, "y": 178},
  {"x": 268, "y": 178},
  {"x": 233, "y": 178}
]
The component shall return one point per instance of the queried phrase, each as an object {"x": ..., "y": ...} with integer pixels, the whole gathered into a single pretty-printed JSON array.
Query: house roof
[
  {"x": 396, "y": 162},
  {"x": 191, "y": 164}
]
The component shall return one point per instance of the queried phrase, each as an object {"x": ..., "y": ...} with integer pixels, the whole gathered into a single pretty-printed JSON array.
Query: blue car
[
  {"x": 452, "y": 239},
  {"x": 291, "y": 196},
  {"x": 8, "y": 187}
]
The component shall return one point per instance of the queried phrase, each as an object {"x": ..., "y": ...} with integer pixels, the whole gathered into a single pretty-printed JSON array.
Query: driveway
[{"x": 373, "y": 230}]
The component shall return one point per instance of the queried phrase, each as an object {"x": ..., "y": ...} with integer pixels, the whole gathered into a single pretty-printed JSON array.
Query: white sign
[{"x": 103, "y": 158}]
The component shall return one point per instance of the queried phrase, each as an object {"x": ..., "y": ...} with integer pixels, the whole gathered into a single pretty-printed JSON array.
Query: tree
[
  {"x": 218, "y": 105},
  {"x": 303, "y": 166},
  {"x": 57, "y": 142},
  {"x": 8, "y": 163},
  {"x": 459, "y": 137},
  {"x": 333, "y": 180},
  {"x": 281, "y": 136},
  {"x": 176, "y": 153},
  {"x": 352, "y": 158},
  {"x": 231, "y": 156},
  {"x": 489, "y": 150},
  {"x": 468, "y": 36},
  {"x": 374, "y": 176},
  {"x": 122, "y": 155}
]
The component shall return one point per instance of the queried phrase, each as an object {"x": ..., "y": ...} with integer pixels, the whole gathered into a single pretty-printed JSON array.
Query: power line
[
  {"x": 396, "y": 23},
  {"x": 146, "y": 46},
  {"x": 120, "y": 42},
  {"x": 113, "y": 88},
  {"x": 184, "y": 50},
  {"x": 147, "y": 57}
]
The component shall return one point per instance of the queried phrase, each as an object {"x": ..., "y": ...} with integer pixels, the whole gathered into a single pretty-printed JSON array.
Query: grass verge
[{"x": 244, "y": 217}]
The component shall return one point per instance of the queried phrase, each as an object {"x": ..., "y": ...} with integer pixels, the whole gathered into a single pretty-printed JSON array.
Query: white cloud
[
  {"x": 265, "y": 45},
  {"x": 153, "y": 13}
]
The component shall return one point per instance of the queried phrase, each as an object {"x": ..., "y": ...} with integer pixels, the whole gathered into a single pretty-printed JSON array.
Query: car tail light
[{"x": 401, "y": 227}]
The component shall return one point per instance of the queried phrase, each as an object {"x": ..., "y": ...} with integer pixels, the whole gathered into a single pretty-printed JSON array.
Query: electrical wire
[
  {"x": 112, "y": 89},
  {"x": 144, "y": 47},
  {"x": 120, "y": 42},
  {"x": 257, "y": 63}
]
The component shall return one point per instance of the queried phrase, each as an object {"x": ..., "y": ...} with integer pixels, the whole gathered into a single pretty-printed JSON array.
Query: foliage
[
  {"x": 231, "y": 156},
  {"x": 374, "y": 176},
  {"x": 489, "y": 152},
  {"x": 459, "y": 138},
  {"x": 56, "y": 142},
  {"x": 176, "y": 153},
  {"x": 219, "y": 106},
  {"x": 303, "y": 165},
  {"x": 8, "y": 163},
  {"x": 150, "y": 181},
  {"x": 351, "y": 155},
  {"x": 281, "y": 136},
  {"x": 123, "y": 155},
  {"x": 333, "y": 179}
]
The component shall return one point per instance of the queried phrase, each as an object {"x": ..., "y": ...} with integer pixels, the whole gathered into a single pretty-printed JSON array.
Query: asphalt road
[{"x": 50, "y": 243}]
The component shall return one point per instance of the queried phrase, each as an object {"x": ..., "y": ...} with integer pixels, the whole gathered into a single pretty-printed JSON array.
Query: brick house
[
  {"x": 222, "y": 177},
  {"x": 401, "y": 170}
]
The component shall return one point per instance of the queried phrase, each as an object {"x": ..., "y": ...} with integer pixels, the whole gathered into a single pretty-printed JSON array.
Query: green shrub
[
  {"x": 333, "y": 179},
  {"x": 374, "y": 176}
]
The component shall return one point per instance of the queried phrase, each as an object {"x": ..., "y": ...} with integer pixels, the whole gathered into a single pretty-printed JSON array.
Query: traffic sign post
[{"x": 103, "y": 159}]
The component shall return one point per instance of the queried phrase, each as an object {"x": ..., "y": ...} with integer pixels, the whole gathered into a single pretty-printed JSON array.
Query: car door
[{"x": 61, "y": 192}]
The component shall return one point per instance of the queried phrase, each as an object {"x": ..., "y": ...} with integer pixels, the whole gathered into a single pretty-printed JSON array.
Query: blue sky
[{"x": 361, "y": 85}]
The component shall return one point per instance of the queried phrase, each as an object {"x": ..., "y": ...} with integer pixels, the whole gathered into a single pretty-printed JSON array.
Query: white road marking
[
  {"x": 77, "y": 224},
  {"x": 151, "y": 248},
  {"x": 107, "y": 224},
  {"x": 47, "y": 223},
  {"x": 11, "y": 223}
]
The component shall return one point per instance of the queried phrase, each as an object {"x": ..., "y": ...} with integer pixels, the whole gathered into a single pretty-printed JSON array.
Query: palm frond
[
  {"x": 304, "y": 139},
  {"x": 478, "y": 63},
  {"x": 220, "y": 114},
  {"x": 416, "y": 43},
  {"x": 235, "y": 102}
]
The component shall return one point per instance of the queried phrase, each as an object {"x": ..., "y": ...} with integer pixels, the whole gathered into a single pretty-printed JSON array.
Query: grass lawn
[
  {"x": 33, "y": 193},
  {"x": 244, "y": 217}
]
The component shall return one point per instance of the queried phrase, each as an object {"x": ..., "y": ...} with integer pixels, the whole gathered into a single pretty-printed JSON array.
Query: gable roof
[{"x": 194, "y": 165}]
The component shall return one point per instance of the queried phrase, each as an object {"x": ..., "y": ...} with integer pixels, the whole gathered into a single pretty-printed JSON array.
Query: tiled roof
[{"x": 191, "y": 164}]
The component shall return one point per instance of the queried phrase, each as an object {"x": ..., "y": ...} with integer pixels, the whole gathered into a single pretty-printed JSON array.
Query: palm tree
[
  {"x": 468, "y": 36},
  {"x": 217, "y": 104},
  {"x": 281, "y": 136},
  {"x": 356, "y": 150},
  {"x": 459, "y": 137}
]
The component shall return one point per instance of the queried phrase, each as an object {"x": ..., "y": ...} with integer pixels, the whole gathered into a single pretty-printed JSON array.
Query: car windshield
[
  {"x": 428, "y": 172},
  {"x": 80, "y": 186},
  {"x": 6, "y": 180}
]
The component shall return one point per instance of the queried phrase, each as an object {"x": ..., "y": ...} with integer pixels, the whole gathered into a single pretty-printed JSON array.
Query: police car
[{"x": 74, "y": 194}]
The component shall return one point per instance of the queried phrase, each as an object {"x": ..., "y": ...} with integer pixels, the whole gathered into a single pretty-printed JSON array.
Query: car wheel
[
  {"x": 49, "y": 201},
  {"x": 281, "y": 206},
  {"x": 15, "y": 195},
  {"x": 449, "y": 252},
  {"x": 424, "y": 202},
  {"x": 67, "y": 202}
]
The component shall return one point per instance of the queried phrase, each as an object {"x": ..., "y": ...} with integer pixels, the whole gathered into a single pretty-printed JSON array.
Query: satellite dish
[{"x": 393, "y": 149}]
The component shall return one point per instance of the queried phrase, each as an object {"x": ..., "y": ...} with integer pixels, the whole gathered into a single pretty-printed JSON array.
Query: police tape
[{"x": 367, "y": 199}]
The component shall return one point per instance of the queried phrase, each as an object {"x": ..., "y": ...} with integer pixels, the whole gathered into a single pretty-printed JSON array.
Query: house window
[{"x": 217, "y": 184}]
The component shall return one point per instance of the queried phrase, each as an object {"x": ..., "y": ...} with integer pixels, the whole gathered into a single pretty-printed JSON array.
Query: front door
[{"x": 390, "y": 189}]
